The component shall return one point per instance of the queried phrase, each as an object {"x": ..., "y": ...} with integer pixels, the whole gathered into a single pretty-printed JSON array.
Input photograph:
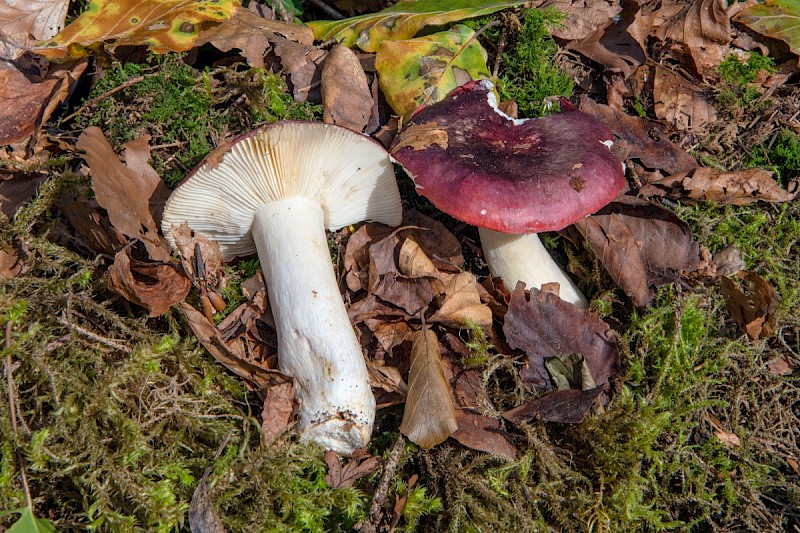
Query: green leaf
[
  {"x": 163, "y": 25},
  {"x": 779, "y": 19},
  {"x": 28, "y": 523},
  {"x": 422, "y": 71},
  {"x": 402, "y": 21}
]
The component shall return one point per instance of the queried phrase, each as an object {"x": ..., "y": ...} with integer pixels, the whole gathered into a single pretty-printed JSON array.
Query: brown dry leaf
[
  {"x": 562, "y": 406},
  {"x": 483, "y": 434},
  {"x": 583, "y": 17},
  {"x": 640, "y": 138},
  {"x": 27, "y": 101},
  {"x": 429, "y": 416},
  {"x": 794, "y": 464},
  {"x": 253, "y": 35},
  {"x": 680, "y": 102},
  {"x": 780, "y": 366},
  {"x": 154, "y": 286},
  {"x": 23, "y": 22},
  {"x": 723, "y": 187},
  {"x": 618, "y": 45},
  {"x": 545, "y": 326},
  {"x": 202, "y": 515},
  {"x": 302, "y": 63},
  {"x": 752, "y": 301},
  {"x": 642, "y": 246},
  {"x": 277, "y": 411},
  {"x": 90, "y": 223},
  {"x": 126, "y": 191},
  {"x": 462, "y": 303},
  {"x": 359, "y": 464},
  {"x": 702, "y": 28},
  {"x": 413, "y": 262},
  {"x": 387, "y": 283},
  {"x": 256, "y": 377},
  {"x": 728, "y": 438},
  {"x": 17, "y": 190},
  {"x": 14, "y": 262},
  {"x": 188, "y": 243},
  {"x": 356, "y": 254},
  {"x": 346, "y": 95}
]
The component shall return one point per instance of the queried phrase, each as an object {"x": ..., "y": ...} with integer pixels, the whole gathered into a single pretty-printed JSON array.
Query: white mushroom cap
[{"x": 349, "y": 174}]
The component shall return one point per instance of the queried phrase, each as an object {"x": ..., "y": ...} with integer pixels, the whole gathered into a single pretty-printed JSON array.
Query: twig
[
  {"x": 95, "y": 337},
  {"x": 328, "y": 9},
  {"x": 106, "y": 94},
  {"x": 12, "y": 407},
  {"x": 370, "y": 524}
]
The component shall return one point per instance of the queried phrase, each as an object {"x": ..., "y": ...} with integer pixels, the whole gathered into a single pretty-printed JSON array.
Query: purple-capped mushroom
[
  {"x": 275, "y": 191},
  {"x": 511, "y": 177}
]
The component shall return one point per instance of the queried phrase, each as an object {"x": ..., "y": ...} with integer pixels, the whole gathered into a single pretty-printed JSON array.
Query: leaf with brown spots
[
  {"x": 721, "y": 187},
  {"x": 642, "y": 246}
]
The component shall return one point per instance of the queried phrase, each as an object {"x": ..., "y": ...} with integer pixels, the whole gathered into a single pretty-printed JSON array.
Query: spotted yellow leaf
[{"x": 163, "y": 25}]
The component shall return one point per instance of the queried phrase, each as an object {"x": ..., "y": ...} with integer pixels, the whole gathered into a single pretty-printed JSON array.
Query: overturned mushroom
[
  {"x": 511, "y": 177},
  {"x": 274, "y": 191}
]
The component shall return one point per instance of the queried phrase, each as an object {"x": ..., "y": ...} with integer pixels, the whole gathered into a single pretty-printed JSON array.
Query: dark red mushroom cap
[{"x": 509, "y": 175}]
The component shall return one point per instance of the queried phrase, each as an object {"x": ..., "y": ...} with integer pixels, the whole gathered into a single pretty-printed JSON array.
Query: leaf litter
[{"x": 412, "y": 291}]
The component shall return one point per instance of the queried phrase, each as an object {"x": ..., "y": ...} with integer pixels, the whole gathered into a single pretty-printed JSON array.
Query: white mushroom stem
[
  {"x": 316, "y": 342},
  {"x": 523, "y": 258}
]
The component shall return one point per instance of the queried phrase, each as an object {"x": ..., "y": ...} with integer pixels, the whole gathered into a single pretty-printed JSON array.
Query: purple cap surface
[{"x": 509, "y": 175}]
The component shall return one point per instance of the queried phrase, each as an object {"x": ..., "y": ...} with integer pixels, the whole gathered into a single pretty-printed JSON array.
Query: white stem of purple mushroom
[
  {"x": 275, "y": 191},
  {"x": 512, "y": 178}
]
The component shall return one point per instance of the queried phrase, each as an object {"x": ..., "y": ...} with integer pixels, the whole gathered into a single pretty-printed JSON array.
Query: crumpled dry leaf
[
  {"x": 346, "y": 95},
  {"x": 202, "y": 515},
  {"x": 189, "y": 244},
  {"x": 484, "y": 434},
  {"x": 234, "y": 359},
  {"x": 728, "y": 438},
  {"x": 126, "y": 191},
  {"x": 413, "y": 295},
  {"x": 14, "y": 261},
  {"x": 277, "y": 410},
  {"x": 699, "y": 30},
  {"x": 642, "y": 246},
  {"x": 563, "y": 406},
  {"x": 544, "y": 326},
  {"x": 680, "y": 102},
  {"x": 253, "y": 35},
  {"x": 619, "y": 45},
  {"x": 429, "y": 415},
  {"x": 640, "y": 138},
  {"x": 302, "y": 63},
  {"x": 27, "y": 101},
  {"x": 781, "y": 366},
  {"x": 23, "y": 22},
  {"x": 359, "y": 464},
  {"x": 583, "y": 17},
  {"x": 92, "y": 226},
  {"x": 723, "y": 187},
  {"x": 462, "y": 302},
  {"x": 154, "y": 286},
  {"x": 752, "y": 301}
]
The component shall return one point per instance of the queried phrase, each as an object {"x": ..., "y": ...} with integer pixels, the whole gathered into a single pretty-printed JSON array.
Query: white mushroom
[{"x": 275, "y": 191}]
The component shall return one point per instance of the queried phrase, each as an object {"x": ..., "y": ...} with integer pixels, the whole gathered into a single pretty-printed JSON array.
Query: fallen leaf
[
  {"x": 642, "y": 246},
  {"x": 422, "y": 71},
  {"x": 794, "y": 464},
  {"x": 640, "y": 138},
  {"x": 17, "y": 190},
  {"x": 484, "y": 434},
  {"x": 210, "y": 262},
  {"x": 23, "y": 22},
  {"x": 402, "y": 21},
  {"x": 125, "y": 192},
  {"x": 680, "y": 102},
  {"x": 302, "y": 63},
  {"x": 562, "y": 406},
  {"x": 203, "y": 517},
  {"x": 544, "y": 326},
  {"x": 583, "y": 17},
  {"x": 359, "y": 464},
  {"x": 162, "y": 25},
  {"x": 252, "y": 35},
  {"x": 728, "y": 261},
  {"x": 154, "y": 286},
  {"x": 387, "y": 283},
  {"x": 699, "y": 29},
  {"x": 752, "y": 301},
  {"x": 780, "y": 366},
  {"x": 429, "y": 415},
  {"x": 94, "y": 229},
  {"x": 779, "y": 19},
  {"x": 277, "y": 410},
  {"x": 14, "y": 261},
  {"x": 728, "y": 438},
  {"x": 722, "y": 187},
  {"x": 256, "y": 377},
  {"x": 27, "y": 101},
  {"x": 462, "y": 303},
  {"x": 346, "y": 96}
]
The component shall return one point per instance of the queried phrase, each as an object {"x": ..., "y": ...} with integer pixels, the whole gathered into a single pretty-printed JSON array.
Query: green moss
[{"x": 737, "y": 72}]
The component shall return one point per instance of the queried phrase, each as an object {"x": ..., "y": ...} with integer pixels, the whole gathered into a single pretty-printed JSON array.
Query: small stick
[
  {"x": 12, "y": 407},
  {"x": 370, "y": 525},
  {"x": 85, "y": 332},
  {"x": 106, "y": 94}
]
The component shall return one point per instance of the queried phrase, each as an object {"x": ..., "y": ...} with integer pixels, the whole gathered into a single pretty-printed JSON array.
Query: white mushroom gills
[
  {"x": 524, "y": 258},
  {"x": 275, "y": 192}
]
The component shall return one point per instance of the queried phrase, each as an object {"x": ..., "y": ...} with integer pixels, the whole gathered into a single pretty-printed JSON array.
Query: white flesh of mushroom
[
  {"x": 523, "y": 258},
  {"x": 282, "y": 187}
]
